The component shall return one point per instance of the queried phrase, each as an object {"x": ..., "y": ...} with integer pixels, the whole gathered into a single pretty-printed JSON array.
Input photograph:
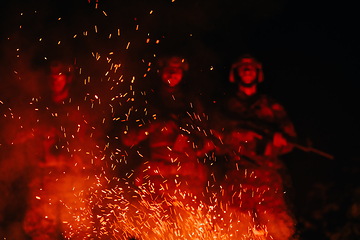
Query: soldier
[
  {"x": 65, "y": 132},
  {"x": 172, "y": 166},
  {"x": 253, "y": 107},
  {"x": 255, "y": 130}
]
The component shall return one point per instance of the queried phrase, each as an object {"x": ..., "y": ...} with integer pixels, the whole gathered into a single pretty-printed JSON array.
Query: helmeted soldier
[
  {"x": 172, "y": 166},
  {"x": 249, "y": 106},
  {"x": 255, "y": 130},
  {"x": 65, "y": 131}
]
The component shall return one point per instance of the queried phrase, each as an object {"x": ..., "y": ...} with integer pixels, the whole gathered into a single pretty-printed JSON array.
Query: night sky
[{"x": 310, "y": 55}]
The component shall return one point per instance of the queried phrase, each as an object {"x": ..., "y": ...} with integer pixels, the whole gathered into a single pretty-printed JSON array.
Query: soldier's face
[
  {"x": 58, "y": 83},
  {"x": 248, "y": 73},
  {"x": 172, "y": 76}
]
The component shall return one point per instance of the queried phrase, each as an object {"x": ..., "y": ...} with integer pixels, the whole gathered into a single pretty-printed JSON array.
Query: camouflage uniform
[
  {"x": 172, "y": 165},
  {"x": 253, "y": 185},
  {"x": 69, "y": 157}
]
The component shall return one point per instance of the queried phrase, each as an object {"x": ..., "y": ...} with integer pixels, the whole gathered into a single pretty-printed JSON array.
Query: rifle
[{"x": 267, "y": 131}]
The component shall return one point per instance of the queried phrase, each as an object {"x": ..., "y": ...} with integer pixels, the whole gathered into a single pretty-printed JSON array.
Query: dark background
[{"x": 309, "y": 51}]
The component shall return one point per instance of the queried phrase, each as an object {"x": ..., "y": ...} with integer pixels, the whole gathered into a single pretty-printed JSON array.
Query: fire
[{"x": 138, "y": 213}]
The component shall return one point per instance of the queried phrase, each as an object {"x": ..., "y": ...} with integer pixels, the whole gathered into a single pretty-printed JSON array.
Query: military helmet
[
  {"x": 246, "y": 59},
  {"x": 175, "y": 62},
  {"x": 59, "y": 68}
]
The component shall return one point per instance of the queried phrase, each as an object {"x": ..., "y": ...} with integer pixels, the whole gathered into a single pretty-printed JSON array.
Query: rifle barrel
[
  {"x": 314, "y": 150},
  {"x": 322, "y": 153}
]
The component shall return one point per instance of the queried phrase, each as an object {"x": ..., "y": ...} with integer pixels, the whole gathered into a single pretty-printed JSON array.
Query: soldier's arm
[
  {"x": 134, "y": 136},
  {"x": 286, "y": 134}
]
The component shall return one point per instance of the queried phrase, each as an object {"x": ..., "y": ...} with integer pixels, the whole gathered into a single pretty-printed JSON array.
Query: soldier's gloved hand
[
  {"x": 279, "y": 140},
  {"x": 134, "y": 136},
  {"x": 245, "y": 136},
  {"x": 131, "y": 137},
  {"x": 181, "y": 143},
  {"x": 208, "y": 147},
  {"x": 217, "y": 134}
]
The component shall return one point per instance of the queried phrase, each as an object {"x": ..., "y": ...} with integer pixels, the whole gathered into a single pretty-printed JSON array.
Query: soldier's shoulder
[{"x": 271, "y": 102}]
